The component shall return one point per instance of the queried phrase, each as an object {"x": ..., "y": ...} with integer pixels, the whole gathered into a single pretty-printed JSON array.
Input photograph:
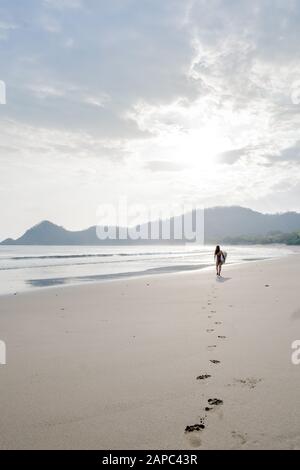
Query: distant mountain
[
  {"x": 274, "y": 237},
  {"x": 221, "y": 224},
  {"x": 235, "y": 221},
  {"x": 47, "y": 233}
]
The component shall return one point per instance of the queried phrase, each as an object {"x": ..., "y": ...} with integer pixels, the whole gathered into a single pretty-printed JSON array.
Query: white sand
[{"x": 114, "y": 365}]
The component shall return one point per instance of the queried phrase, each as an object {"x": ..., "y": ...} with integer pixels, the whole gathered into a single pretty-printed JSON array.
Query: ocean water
[{"x": 33, "y": 267}]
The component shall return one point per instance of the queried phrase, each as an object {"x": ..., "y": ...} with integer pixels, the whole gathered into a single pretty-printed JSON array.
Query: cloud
[
  {"x": 151, "y": 98},
  {"x": 5, "y": 28},
  {"x": 287, "y": 155},
  {"x": 230, "y": 157},
  {"x": 69, "y": 42},
  {"x": 45, "y": 91},
  {"x": 159, "y": 165},
  {"x": 68, "y": 92},
  {"x": 99, "y": 101},
  {"x": 50, "y": 24},
  {"x": 63, "y": 4},
  {"x": 21, "y": 140}
]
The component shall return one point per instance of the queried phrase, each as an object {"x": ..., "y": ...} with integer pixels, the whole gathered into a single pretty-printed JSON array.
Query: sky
[{"x": 157, "y": 102}]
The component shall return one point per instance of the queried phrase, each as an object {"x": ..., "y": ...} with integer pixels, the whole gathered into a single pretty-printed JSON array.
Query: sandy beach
[{"x": 116, "y": 365}]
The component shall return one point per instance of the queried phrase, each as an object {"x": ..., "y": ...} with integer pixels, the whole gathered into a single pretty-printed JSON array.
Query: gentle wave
[
  {"x": 56, "y": 265},
  {"x": 100, "y": 255},
  {"x": 18, "y": 258}
]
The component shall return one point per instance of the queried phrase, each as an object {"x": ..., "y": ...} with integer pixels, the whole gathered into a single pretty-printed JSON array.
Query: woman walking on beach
[{"x": 220, "y": 257}]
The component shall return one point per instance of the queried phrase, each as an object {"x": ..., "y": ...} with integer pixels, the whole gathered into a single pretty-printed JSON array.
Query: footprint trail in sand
[{"x": 195, "y": 430}]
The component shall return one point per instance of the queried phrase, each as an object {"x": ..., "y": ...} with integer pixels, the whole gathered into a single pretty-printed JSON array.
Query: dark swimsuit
[{"x": 219, "y": 257}]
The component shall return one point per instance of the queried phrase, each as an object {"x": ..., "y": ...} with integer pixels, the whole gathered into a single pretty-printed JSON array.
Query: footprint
[
  {"x": 218, "y": 323},
  {"x": 215, "y": 361},
  {"x": 240, "y": 436},
  {"x": 222, "y": 337},
  {"x": 195, "y": 427},
  {"x": 209, "y": 330},
  {"x": 296, "y": 315},
  {"x": 215, "y": 401},
  {"x": 203, "y": 376},
  {"x": 211, "y": 346},
  {"x": 194, "y": 439},
  {"x": 249, "y": 382}
]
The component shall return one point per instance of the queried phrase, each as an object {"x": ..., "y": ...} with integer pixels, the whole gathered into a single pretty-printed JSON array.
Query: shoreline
[
  {"x": 115, "y": 364},
  {"x": 52, "y": 283}
]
